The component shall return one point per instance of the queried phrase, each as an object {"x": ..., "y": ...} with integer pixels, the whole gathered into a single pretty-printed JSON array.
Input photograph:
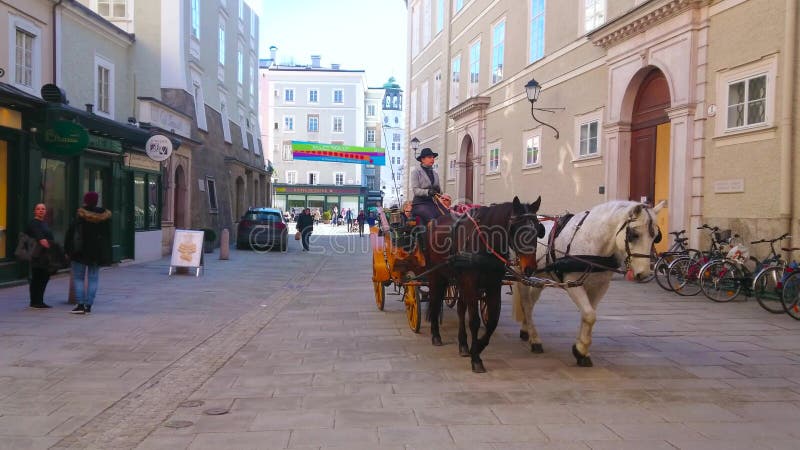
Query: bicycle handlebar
[
  {"x": 677, "y": 233},
  {"x": 770, "y": 241}
]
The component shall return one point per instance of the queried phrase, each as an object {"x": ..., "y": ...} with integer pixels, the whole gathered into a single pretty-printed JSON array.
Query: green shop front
[{"x": 322, "y": 197}]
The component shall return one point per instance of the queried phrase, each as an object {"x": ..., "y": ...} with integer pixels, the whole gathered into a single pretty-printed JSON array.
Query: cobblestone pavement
[{"x": 290, "y": 347}]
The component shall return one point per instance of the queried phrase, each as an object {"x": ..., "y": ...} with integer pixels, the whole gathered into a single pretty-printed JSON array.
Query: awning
[{"x": 13, "y": 97}]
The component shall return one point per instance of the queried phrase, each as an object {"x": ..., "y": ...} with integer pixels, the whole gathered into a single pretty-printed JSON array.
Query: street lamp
[
  {"x": 415, "y": 146},
  {"x": 532, "y": 90}
]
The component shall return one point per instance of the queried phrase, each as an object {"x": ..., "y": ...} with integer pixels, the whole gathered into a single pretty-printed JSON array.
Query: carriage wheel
[
  {"x": 380, "y": 294},
  {"x": 412, "y": 300},
  {"x": 451, "y": 295}
]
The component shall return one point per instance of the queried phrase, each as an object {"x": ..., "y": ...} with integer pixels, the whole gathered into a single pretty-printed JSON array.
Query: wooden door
[{"x": 469, "y": 194}]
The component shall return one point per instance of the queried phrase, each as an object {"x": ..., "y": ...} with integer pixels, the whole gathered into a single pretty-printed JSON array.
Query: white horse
[{"x": 608, "y": 236}]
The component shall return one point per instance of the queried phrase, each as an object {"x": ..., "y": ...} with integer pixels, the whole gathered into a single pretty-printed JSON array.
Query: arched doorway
[
  {"x": 468, "y": 151},
  {"x": 239, "y": 197},
  {"x": 179, "y": 199},
  {"x": 650, "y": 143}
]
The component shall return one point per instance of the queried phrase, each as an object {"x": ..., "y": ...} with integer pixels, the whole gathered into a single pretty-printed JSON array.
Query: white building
[{"x": 392, "y": 139}]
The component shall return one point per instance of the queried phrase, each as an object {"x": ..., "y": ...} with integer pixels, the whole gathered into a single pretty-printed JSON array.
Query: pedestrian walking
[
  {"x": 348, "y": 218},
  {"x": 361, "y": 219},
  {"x": 305, "y": 225},
  {"x": 88, "y": 244},
  {"x": 39, "y": 273},
  {"x": 335, "y": 216}
]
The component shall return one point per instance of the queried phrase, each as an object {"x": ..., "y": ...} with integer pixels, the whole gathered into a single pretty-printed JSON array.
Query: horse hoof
[
  {"x": 537, "y": 348},
  {"x": 463, "y": 350},
  {"x": 523, "y": 335},
  {"x": 477, "y": 367},
  {"x": 436, "y": 340},
  {"x": 583, "y": 361}
]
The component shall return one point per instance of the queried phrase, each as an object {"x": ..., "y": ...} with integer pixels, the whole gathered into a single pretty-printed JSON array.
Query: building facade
[
  {"x": 663, "y": 100},
  {"x": 315, "y": 104},
  {"x": 392, "y": 138}
]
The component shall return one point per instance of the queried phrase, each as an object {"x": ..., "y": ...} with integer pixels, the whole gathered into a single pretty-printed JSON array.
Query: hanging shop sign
[
  {"x": 64, "y": 138},
  {"x": 158, "y": 147},
  {"x": 315, "y": 151}
]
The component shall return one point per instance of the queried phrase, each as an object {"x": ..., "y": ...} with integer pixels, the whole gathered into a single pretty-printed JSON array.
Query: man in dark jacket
[
  {"x": 88, "y": 244},
  {"x": 305, "y": 224}
]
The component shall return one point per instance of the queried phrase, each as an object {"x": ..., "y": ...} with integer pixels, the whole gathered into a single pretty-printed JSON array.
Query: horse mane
[{"x": 486, "y": 215}]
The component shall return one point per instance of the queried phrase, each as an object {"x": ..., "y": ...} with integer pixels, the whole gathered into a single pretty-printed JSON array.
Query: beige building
[{"x": 673, "y": 100}]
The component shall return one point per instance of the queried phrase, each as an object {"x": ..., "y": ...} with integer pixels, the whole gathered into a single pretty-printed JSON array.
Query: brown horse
[{"x": 473, "y": 251}]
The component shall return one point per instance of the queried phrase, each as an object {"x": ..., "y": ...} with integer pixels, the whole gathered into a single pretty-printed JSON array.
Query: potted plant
[
  {"x": 326, "y": 217},
  {"x": 209, "y": 238}
]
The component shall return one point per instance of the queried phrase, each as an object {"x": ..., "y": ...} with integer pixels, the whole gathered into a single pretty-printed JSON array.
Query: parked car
[{"x": 262, "y": 229}]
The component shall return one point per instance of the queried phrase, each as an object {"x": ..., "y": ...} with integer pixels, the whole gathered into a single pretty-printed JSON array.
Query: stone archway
[
  {"x": 468, "y": 177},
  {"x": 179, "y": 199}
]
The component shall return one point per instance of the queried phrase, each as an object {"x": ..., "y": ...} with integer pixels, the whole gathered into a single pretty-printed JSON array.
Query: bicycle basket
[{"x": 722, "y": 235}]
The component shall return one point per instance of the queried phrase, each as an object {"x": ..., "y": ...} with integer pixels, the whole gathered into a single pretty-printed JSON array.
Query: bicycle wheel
[
  {"x": 791, "y": 295},
  {"x": 721, "y": 281},
  {"x": 661, "y": 270},
  {"x": 683, "y": 276},
  {"x": 767, "y": 289}
]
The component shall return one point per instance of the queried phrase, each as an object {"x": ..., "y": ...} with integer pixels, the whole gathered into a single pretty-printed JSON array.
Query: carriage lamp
[
  {"x": 415, "y": 146},
  {"x": 532, "y": 90}
]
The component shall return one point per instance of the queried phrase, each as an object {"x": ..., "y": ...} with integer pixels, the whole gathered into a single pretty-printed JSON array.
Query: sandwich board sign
[{"x": 187, "y": 250}]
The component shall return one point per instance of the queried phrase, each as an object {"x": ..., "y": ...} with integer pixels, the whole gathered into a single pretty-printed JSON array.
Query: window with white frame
[
  {"x": 226, "y": 124},
  {"x": 338, "y": 96},
  {"x": 437, "y": 94},
  {"x": 253, "y": 24},
  {"x": 338, "y": 124},
  {"x": 288, "y": 95},
  {"x": 241, "y": 10},
  {"x": 221, "y": 33},
  {"x": 451, "y": 167},
  {"x": 371, "y": 135},
  {"x": 498, "y": 50},
  {"x": 256, "y": 141},
  {"x": 396, "y": 138},
  {"x": 531, "y": 149},
  {"x": 412, "y": 112},
  {"x": 474, "y": 67},
  {"x": 594, "y": 14},
  {"x": 338, "y": 178},
  {"x": 240, "y": 62},
  {"x": 313, "y": 177},
  {"x": 371, "y": 110},
  {"x": 587, "y": 134},
  {"x": 493, "y": 162},
  {"x": 196, "y": 19},
  {"x": 439, "y": 15},
  {"x": 746, "y": 96},
  {"x": 288, "y": 123},
  {"x": 313, "y": 123},
  {"x": 426, "y": 22},
  {"x": 457, "y": 5},
  {"x": 25, "y": 59},
  {"x": 244, "y": 126},
  {"x": 113, "y": 9},
  {"x": 537, "y": 31},
  {"x": 414, "y": 30},
  {"x": 287, "y": 151},
  {"x": 104, "y": 86},
  {"x": 455, "y": 78},
  {"x": 423, "y": 97},
  {"x": 313, "y": 96},
  {"x": 291, "y": 177},
  {"x": 253, "y": 78},
  {"x": 199, "y": 101}
]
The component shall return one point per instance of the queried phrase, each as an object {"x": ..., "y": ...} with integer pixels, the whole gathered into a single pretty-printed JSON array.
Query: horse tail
[{"x": 517, "y": 313}]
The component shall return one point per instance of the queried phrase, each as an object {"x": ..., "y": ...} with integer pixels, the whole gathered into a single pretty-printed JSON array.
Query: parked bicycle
[
  {"x": 683, "y": 274},
  {"x": 676, "y": 250},
  {"x": 790, "y": 295}
]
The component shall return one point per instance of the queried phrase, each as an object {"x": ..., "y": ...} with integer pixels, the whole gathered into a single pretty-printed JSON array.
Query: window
[
  {"x": 253, "y": 78},
  {"x": 338, "y": 178},
  {"x": 439, "y": 15},
  {"x": 532, "y": 150},
  {"x": 747, "y": 101},
  {"x": 313, "y": 96},
  {"x": 313, "y": 123},
  {"x": 498, "y": 49},
  {"x": 211, "y": 189},
  {"x": 244, "y": 127},
  {"x": 451, "y": 167},
  {"x": 199, "y": 102},
  {"x": 413, "y": 111},
  {"x": 371, "y": 135},
  {"x": 338, "y": 96},
  {"x": 291, "y": 177},
  {"x": 240, "y": 61},
  {"x": 253, "y": 26},
  {"x": 112, "y": 9},
  {"x": 338, "y": 124},
  {"x": 426, "y": 22},
  {"x": 396, "y": 138},
  {"x": 288, "y": 95},
  {"x": 423, "y": 97},
  {"x": 241, "y": 10},
  {"x": 288, "y": 123},
  {"x": 594, "y": 14},
  {"x": 221, "y": 54},
  {"x": 287, "y": 151},
  {"x": 313, "y": 177},
  {"x": 371, "y": 110},
  {"x": 454, "y": 80},
  {"x": 537, "y": 30},
  {"x": 474, "y": 67},
  {"x": 196, "y": 19},
  {"x": 457, "y": 5},
  {"x": 226, "y": 123},
  {"x": 494, "y": 158},
  {"x": 104, "y": 87},
  {"x": 437, "y": 94},
  {"x": 414, "y": 30},
  {"x": 23, "y": 61},
  {"x": 588, "y": 139}
]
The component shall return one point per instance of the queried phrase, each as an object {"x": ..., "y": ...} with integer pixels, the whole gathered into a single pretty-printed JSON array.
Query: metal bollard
[{"x": 224, "y": 245}]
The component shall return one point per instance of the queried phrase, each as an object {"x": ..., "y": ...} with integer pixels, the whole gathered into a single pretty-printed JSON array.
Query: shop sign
[
  {"x": 315, "y": 151},
  {"x": 158, "y": 147},
  {"x": 102, "y": 143},
  {"x": 316, "y": 190},
  {"x": 65, "y": 138}
]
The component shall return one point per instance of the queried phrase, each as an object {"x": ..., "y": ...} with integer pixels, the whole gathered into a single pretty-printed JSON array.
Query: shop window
[{"x": 146, "y": 201}]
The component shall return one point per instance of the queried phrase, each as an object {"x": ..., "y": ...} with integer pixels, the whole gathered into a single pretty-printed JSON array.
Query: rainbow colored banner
[{"x": 314, "y": 151}]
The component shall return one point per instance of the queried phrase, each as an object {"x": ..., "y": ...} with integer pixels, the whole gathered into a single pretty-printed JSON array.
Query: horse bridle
[{"x": 656, "y": 235}]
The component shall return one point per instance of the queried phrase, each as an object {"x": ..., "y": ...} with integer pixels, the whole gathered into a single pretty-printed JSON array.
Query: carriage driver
[{"x": 425, "y": 186}]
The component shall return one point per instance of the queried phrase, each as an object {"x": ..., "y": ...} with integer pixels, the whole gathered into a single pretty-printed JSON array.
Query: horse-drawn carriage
[{"x": 465, "y": 259}]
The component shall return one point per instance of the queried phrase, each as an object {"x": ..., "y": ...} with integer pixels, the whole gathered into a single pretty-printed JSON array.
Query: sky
[{"x": 356, "y": 34}]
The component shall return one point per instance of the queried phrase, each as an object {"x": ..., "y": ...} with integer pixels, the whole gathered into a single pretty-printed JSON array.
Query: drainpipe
[
  {"x": 55, "y": 43},
  {"x": 787, "y": 209}
]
